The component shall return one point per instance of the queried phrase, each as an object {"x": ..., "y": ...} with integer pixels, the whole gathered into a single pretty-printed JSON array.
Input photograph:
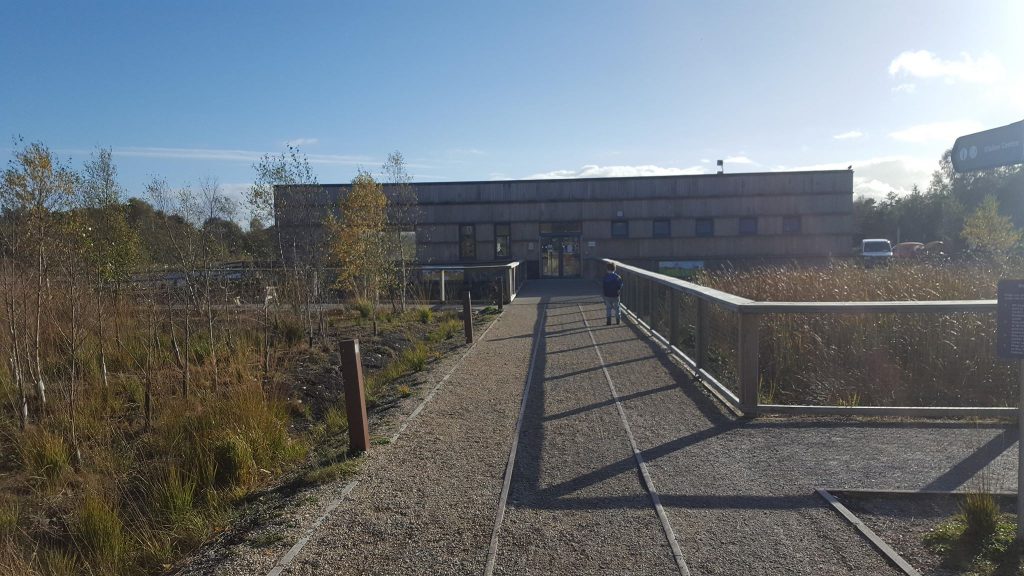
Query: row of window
[
  {"x": 705, "y": 227},
  {"x": 467, "y": 241},
  {"x": 661, "y": 228}
]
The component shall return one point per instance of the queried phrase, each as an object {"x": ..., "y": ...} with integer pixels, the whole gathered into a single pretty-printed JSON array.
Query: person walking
[{"x": 612, "y": 285}]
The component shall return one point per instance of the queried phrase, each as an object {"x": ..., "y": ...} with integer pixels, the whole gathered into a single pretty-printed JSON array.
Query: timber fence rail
[{"x": 914, "y": 358}]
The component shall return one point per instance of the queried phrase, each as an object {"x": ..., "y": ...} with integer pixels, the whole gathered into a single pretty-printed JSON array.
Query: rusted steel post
[
  {"x": 355, "y": 396},
  {"x": 467, "y": 316},
  {"x": 746, "y": 350}
]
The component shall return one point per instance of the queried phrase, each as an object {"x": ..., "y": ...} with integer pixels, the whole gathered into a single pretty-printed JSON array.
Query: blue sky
[{"x": 490, "y": 90}]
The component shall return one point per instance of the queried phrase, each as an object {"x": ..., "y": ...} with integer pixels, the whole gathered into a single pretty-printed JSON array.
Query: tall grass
[
  {"x": 921, "y": 359},
  {"x": 145, "y": 490}
]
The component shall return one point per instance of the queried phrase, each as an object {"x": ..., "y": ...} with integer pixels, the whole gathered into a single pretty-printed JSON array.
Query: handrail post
[
  {"x": 443, "y": 299},
  {"x": 701, "y": 336},
  {"x": 673, "y": 313},
  {"x": 650, "y": 304},
  {"x": 501, "y": 292},
  {"x": 747, "y": 350}
]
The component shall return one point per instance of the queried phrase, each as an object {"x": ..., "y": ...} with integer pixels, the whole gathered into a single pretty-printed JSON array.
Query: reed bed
[{"x": 876, "y": 359}]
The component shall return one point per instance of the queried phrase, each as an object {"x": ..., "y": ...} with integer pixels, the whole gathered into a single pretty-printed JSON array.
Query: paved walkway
[{"x": 736, "y": 497}]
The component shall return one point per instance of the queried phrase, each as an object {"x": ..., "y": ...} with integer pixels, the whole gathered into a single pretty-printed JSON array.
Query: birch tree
[
  {"x": 359, "y": 242},
  {"x": 403, "y": 216}
]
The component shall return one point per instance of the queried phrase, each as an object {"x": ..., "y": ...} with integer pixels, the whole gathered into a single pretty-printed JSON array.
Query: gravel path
[
  {"x": 426, "y": 504},
  {"x": 571, "y": 431},
  {"x": 739, "y": 495}
]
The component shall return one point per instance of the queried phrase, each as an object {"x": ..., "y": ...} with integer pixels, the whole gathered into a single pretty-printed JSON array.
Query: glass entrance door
[{"x": 560, "y": 257}]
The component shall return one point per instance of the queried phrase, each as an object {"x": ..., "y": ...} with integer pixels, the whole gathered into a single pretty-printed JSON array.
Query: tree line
[{"x": 980, "y": 212}]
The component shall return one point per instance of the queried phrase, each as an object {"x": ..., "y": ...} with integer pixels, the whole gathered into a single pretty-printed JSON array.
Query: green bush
[
  {"x": 10, "y": 512},
  {"x": 424, "y": 315},
  {"x": 981, "y": 515},
  {"x": 364, "y": 308},
  {"x": 415, "y": 357},
  {"x": 45, "y": 455},
  {"x": 53, "y": 562},
  {"x": 291, "y": 330},
  {"x": 100, "y": 535},
  {"x": 233, "y": 459},
  {"x": 335, "y": 420}
]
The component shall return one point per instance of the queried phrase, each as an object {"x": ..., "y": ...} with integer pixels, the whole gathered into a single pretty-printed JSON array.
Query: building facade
[{"x": 563, "y": 227}]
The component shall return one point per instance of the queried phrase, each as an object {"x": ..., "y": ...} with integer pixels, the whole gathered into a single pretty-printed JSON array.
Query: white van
[{"x": 875, "y": 250}]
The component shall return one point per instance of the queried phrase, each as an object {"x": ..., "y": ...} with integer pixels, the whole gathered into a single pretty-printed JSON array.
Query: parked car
[{"x": 875, "y": 251}]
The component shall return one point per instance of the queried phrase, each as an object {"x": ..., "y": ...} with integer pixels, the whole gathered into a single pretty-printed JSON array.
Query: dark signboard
[
  {"x": 990, "y": 149},
  {"x": 1010, "y": 319}
]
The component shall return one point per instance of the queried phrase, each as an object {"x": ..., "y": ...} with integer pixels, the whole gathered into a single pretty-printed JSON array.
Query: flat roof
[{"x": 601, "y": 178}]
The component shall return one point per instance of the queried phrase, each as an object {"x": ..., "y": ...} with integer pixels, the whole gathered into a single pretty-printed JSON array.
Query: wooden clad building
[{"x": 563, "y": 227}]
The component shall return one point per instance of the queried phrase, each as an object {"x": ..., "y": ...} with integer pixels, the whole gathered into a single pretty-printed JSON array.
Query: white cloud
[
  {"x": 986, "y": 69},
  {"x": 876, "y": 177},
  {"x": 852, "y": 134},
  {"x": 226, "y": 155},
  {"x": 302, "y": 142},
  {"x": 594, "y": 171},
  {"x": 943, "y": 132},
  {"x": 739, "y": 160},
  {"x": 905, "y": 88}
]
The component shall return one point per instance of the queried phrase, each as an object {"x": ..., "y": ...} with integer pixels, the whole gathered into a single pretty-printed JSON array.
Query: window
[
  {"x": 790, "y": 224},
  {"x": 501, "y": 238},
  {"x": 705, "y": 227},
  {"x": 748, "y": 226},
  {"x": 662, "y": 228},
  {"x": 467, "y": 242},
  {"x": 620, "y": 229}
]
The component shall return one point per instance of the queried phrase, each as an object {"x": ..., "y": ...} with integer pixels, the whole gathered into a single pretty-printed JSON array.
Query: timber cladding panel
[{"x": 797, "y": 215}]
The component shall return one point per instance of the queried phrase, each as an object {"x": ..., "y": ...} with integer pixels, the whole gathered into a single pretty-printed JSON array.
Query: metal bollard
[
  {"x": 467, "y": 316},
  {"x": 355, "y": 396}
]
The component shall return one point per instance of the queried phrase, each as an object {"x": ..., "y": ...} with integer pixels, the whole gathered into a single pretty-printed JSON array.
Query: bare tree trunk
[
  {"x": 76, "y": 452},
  {"x": 40, "y": 386},
  {"x": 209, "y": 324},
  {"x": 101, "y": 335}
]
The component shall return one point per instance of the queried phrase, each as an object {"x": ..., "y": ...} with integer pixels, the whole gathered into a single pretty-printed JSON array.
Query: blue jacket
[{"x": 612, "y": 285}]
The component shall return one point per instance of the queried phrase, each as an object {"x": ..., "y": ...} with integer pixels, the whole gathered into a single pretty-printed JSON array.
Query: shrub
[
  {"x": 174, "y": 495},
  {"x": 446, "y": 330},
  {"x": 99, "y": 534},
  {"x": 45, "y": 455},
  {"x": 364, "y": 308},
  {"x": 404, "y": 391},
  {"x": 981, "y": 515},
  {"x": 10, "y": 512},
  {"x": 424, "y": 315},
  {"x": 58, "y": 563},
  {"x": 415, "y": 357},
  {"x": 233, "y": 459},
  {"x": 335, "y": 420},
  {"x": 291, "y": 330}
]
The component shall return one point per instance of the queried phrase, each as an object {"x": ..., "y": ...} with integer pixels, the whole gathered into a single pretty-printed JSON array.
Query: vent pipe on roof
[{"x": 721, "y": 167}]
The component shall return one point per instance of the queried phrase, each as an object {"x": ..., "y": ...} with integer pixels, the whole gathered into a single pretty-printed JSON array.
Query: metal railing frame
[
  {"x": 638, "y": 303},
  {"x": 513, "y": 276}
]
